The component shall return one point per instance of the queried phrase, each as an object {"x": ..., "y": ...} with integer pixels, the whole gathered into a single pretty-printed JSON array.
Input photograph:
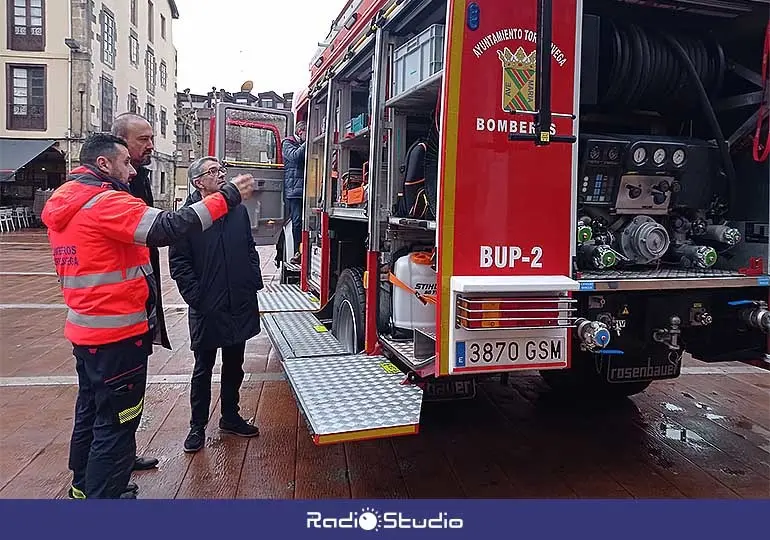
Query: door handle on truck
[
  {"x": 551, "y": 138},
  {"x": 542, "y": 112}
]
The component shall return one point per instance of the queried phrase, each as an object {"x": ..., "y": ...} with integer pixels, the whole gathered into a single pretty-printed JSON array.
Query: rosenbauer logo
[{"x": 370, "y": 519}]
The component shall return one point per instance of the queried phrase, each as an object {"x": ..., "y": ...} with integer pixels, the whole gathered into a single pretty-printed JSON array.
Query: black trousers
[
  {"x": 111, "y": 385},
  {"x": 294, "y": 211},
  {"x": 200, "y": 388}
]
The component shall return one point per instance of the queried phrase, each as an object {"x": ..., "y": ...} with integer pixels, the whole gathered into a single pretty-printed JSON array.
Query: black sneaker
[
  {"x": 238, "y": 427},
  {"x": 195, "y": 440}
]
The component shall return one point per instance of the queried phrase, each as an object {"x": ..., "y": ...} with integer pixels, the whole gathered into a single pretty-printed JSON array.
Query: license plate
[
  {"x": 518, "y": 353},
  {"x": 449, "y": 389}
]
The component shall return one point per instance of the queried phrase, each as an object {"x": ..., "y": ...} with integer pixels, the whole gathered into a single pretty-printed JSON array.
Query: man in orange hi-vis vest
[{"x": 100, "y": 235}]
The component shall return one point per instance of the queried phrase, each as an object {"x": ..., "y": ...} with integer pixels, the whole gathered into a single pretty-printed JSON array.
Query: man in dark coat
[
  {"x": 138, "y": 133},
  {"x": 293, "y": 150},
  {"x": 218, "y": 275}
]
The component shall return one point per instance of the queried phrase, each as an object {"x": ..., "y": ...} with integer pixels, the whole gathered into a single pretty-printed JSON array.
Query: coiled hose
[
  {"x": 641, "y": 69},
  {"x": 657, "y": 71}
]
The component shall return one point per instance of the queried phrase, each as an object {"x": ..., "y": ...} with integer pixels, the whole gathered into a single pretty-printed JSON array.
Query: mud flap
[{"x": 621, "y": 368}]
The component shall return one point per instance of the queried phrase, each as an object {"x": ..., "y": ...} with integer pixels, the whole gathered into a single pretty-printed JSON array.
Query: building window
[
  {"x": 150, "y": 21},
  {"x": 162, "y": 182},
  {"x": 26, "y": 28},
  {"x": 149, "y": 114},
  {"x": 108, "y": 38},
  {"x": 26, "y": 97},
  {"x": 163, "y": 74},
  {"x": 108, "y": 93},
  {"x": 182, "y": 135},
  {"x": 134, "y": 12},
  {"x": 163, "y": 27},
  {"x": 133, "y": 101},
  {"x": 151, "y": 71},
  {"x": 163, "y": 122},
  {"x": 267, "y": 103},
  {"x": 279, "y": 105},
  {"x": 133, "y": 49}
]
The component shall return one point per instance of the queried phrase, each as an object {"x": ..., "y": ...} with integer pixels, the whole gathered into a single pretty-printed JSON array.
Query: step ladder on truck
[{"x": 566, "y": 187}]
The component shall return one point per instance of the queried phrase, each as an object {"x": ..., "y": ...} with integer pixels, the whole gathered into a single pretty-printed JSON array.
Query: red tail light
[{"x": 514, "y": 312}]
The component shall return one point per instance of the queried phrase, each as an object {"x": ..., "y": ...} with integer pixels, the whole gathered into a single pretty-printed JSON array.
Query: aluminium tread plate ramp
[
  {"x": 300, "y": 335},
  {"x": 286, "y": 297},
  {"x": 354, "y": 397}
]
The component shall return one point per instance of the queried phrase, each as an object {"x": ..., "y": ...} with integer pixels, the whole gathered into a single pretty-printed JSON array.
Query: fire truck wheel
[
  {"x": 349, "y": 308},
  {"x": 583, "y": 380}
]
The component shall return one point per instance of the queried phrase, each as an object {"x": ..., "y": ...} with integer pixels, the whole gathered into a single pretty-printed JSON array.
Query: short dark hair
[{"x": 100, "y": 144}]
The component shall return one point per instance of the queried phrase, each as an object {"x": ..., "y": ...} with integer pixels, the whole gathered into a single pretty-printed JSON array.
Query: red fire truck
[{"x": 574, "y": 187}]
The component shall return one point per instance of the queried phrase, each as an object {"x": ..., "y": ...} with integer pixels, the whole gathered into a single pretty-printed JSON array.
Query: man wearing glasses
[{"x": 218, "y": 275}]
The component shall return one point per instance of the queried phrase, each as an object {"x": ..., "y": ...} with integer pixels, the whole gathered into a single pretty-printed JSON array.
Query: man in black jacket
[
  {"x": 138, "y": 133},
  {"x": 293, "y": 150},
  {"x": 218, "y": 275}
]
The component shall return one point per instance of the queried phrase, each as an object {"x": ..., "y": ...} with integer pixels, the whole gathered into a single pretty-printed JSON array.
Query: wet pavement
[{"x": 704, "y": 435}]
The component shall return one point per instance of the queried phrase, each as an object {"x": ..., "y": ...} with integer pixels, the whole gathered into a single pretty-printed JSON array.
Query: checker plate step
[
  {"x": 404, "y": 350},
  {"x": 286, "y": 297},
  {"x": 301, "y": 335},
  {"x": 354, "y": 397}
]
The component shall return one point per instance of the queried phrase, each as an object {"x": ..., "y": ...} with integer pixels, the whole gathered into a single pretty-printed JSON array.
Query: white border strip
[{"x": 72, "y": 380}]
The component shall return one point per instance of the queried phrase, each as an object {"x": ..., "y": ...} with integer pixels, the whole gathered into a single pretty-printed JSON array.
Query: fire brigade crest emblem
[{"x": 518, "y": 79}]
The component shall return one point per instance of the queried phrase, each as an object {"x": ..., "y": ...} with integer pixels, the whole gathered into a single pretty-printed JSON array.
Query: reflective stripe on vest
[
  {"x": 145, "y": 224},
  {"x": 105, "y": 278},
  {"x": 106, "y": 321},
  {"x": 203, "y": 214}
]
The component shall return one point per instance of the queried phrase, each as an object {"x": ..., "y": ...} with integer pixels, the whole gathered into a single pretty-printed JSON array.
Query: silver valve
[
  {"x": 757, "y": 316},
  {"x": 703, "y": 318},
  {"x": 592, "y": 334},
  {"x": 722, "y": 233},
  {"x": 669, "y": 336}
]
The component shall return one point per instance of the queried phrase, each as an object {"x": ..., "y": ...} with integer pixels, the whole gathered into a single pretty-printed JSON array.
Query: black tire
[
  {"x": 582, "y": 380},
  {"x": 348, "y": 322}
]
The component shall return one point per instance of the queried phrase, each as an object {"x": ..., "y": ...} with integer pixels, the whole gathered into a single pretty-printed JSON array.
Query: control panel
[
  {"x": 639, "y": 173},
  {"x": 652, "y": 194}
]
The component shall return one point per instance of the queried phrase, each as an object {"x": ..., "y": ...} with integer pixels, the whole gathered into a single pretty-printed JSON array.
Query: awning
[{"x": 15, "y": 153}]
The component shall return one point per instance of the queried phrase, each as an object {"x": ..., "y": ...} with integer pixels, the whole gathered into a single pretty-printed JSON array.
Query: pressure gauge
[
  {"x": 659, "y": 156},
  {"x": 613, "y": 154},
  {"x": 640, "y": 154},
  {"x": 678, "y": 157},
  {"x": 595, "y": 153}
]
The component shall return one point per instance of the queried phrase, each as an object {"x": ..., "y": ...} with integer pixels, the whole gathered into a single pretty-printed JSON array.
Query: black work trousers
[
  {"x": 111, "y": 384},
  {"x": 200, "y": 388}
]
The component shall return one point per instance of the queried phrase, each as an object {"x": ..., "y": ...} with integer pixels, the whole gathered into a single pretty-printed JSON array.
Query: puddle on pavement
[
  {"x": 673, "y": 408},
  {"x": 711, "y": 416},
  {"x": 702, "y": 406},
  {"x": 679, "y": 434},
  {"x": 685, "y": 394},
  {"x": 733, "y": 472}
]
